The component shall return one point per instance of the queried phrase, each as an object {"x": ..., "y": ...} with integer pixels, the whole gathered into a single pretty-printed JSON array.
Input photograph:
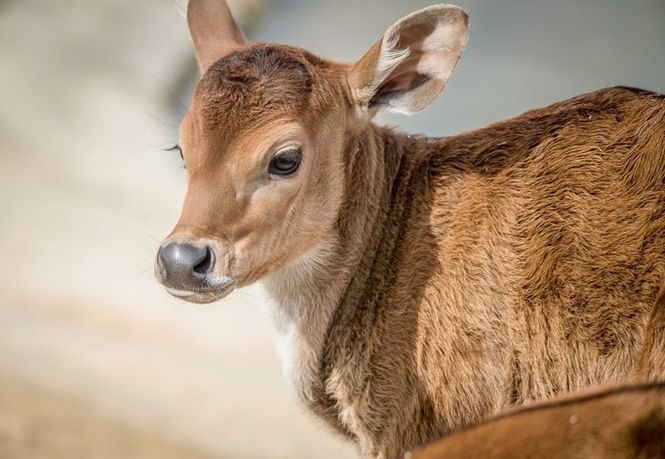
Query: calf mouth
[{"x": 216, "y": 290}]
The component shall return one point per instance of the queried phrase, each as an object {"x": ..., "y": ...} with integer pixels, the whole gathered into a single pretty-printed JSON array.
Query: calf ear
[
  {"x": 410, "y": 65},
  {"x": 214, "y": 31}
]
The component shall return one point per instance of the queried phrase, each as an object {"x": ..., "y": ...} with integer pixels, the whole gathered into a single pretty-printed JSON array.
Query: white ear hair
[
  {"x": 391, "y": 56},
  {"x": 411, "y": 64}
]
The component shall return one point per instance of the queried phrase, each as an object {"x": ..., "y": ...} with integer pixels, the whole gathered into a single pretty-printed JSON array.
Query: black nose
[{"x": 185, "y": 265}]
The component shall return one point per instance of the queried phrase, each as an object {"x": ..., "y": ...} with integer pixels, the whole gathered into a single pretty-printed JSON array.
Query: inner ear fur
[{"x": 408, "y": 68}]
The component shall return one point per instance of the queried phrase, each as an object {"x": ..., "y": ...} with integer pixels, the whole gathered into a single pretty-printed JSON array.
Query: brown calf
[
  {"x": 615, "y": 423},
  {"x": 420, "y": 284}
]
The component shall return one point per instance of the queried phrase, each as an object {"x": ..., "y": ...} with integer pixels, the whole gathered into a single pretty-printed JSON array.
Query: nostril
[{"x": 204, "y": 266}]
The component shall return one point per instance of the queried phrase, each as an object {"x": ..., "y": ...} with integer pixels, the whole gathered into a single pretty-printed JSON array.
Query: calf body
[
  {"x": 420, "y": 284},
  {"x": 484, "y": 270}
]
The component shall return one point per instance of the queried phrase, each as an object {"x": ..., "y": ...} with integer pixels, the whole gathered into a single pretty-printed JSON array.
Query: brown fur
[
  {"x": 424, "y": 284},
  {"x": 509, "y": 264},
  {"x": 626, "y": 422}
]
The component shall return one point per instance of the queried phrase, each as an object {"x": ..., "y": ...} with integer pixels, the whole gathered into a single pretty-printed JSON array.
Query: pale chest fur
[{"x": 301, "y": 314}]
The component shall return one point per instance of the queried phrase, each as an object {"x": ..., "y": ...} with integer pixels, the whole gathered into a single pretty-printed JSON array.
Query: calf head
[{"x": 264, "y": 140}]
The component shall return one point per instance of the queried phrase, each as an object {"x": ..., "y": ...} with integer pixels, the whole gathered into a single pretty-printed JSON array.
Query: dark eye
[{"x": 286, "y": 162}]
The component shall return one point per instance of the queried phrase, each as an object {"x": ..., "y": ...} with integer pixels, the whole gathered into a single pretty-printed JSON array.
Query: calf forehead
[{"x": 252, "y": 86}]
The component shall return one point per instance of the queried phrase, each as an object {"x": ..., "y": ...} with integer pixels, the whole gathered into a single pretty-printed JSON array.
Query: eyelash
[{"x": 177, "y": 148}]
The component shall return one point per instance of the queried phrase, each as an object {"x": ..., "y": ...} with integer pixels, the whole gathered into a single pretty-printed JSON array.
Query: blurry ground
[
  {"x": 90, "y": 345},
  {"x": 37, "y": 425}
]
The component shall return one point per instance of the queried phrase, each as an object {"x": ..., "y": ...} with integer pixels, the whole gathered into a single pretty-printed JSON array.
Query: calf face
[{"x": 264, "y": 141}]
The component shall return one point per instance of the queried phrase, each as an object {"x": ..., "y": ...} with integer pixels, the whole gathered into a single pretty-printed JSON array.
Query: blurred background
[{"x": 96, "y": 360}]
